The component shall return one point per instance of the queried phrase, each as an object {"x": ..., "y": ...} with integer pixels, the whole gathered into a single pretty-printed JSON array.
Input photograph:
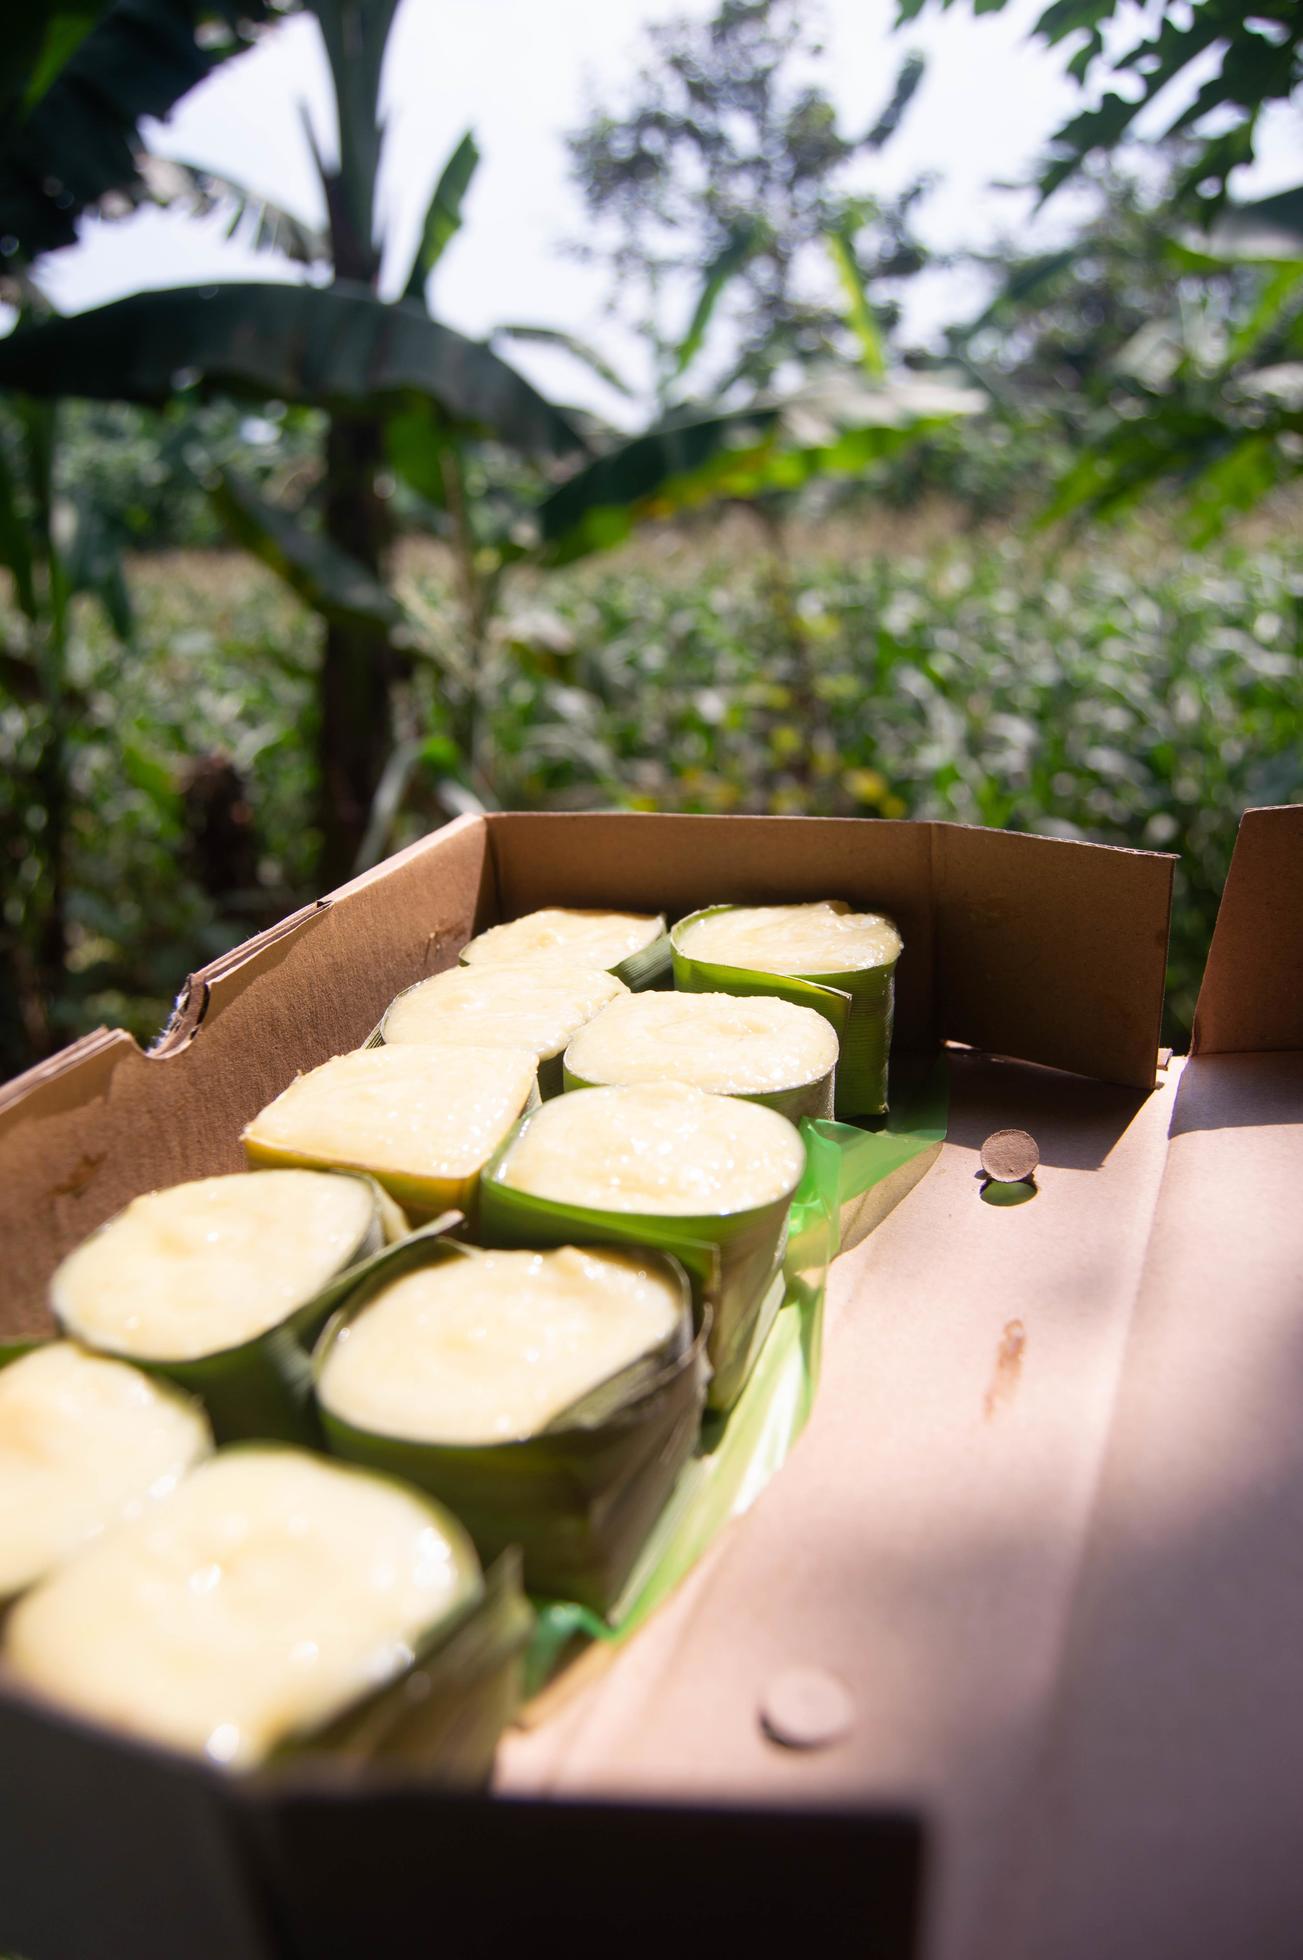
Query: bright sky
[{"x": 521, "y": 74}]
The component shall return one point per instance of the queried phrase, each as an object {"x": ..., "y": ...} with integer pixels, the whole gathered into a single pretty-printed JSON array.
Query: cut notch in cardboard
[{"x": 1048, "y": 950}]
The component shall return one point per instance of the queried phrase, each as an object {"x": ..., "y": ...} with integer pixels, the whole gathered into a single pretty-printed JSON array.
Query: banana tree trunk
[{"x": 359, "y": 664}]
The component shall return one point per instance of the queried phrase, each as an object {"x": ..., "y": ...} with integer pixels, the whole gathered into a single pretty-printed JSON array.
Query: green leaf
[
  {"x": 1270, "y": 228},
  {"x": 1023, "y": 284},
  {"x": 912, "y": 70},
  {"x": 332, "y": 346},
  {"x": 837, "y": 427},
  {"x": 443, "y": 218},
  {"x": 15, "y": 541},
  {"x": 38, "y": 45},
  {"x": 1274, "y": 299},
  {"x": 266, "y": 225},
  {"x": 324, "y": 577},
  {"x": 92, "y": 563},
  {"x": 87, "y": 77},
  {"x": 841, "y": 248},
  {"x": 415, "y": 440},
  {"x": 741, "y": 244},
  {"x": 567, "y": 343}
]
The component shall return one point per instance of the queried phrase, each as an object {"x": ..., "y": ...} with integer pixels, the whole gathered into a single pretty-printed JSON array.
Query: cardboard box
[{"x": 952, "y": 1527}]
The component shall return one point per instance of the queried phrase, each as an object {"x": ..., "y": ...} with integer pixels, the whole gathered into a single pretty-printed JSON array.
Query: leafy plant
[
  {"x": 338, "y": 347},
  {"x": 1253, "y": 56},
  {"x": 725, "y": 173}
]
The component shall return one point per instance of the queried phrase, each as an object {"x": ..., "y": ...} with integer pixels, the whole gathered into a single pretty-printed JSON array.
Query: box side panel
[
  {"x": 80, "y": 1138},
  {"x": 674, "y": 864},
  {"x": 1252, "y": 992},
  {"x": 1166, "y": 1814},
  {"x": 479, "y": 1879},
  {"x": 107, "y": 1851},
  {"x": 1053, "y": 951},
  {"x": 922, "y": 1542}
]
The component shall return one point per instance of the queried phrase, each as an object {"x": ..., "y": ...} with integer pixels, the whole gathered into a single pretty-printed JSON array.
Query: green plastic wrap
[
  {"x": 852, "y": 1177},
  {"x": 578, "y": 1498},
  {"x": 734, "y": 1259},
  {"x": 860, "y": 1005},
  {"x": 262, "y": 1388}
]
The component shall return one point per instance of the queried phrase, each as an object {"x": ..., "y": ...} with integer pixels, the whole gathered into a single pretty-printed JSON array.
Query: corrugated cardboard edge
[
  {"x": 1252, "y": 992},
  {"x": 86, "y": 1131},
  {"x": 1162, "y": 1816},
  {"x": 1044, "y": 948}
]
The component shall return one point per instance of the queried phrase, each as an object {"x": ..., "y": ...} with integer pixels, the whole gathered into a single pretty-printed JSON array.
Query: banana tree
[{"x": 340, "y": 347}]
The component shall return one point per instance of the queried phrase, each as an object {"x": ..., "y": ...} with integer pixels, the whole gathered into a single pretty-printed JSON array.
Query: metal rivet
[
  {"x": 1010, "y": 1155},
  {"x": 806, "y": 1708}
]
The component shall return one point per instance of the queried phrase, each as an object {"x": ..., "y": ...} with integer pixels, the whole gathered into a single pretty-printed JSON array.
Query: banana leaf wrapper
[
  {"x": 733, "y": 1259},
  {"x": 860, "y": 1006},
  {"x": 443, "y": 1717},
  {"x": 262, "y": 1389},
  {"x": 550, "y": 1082},
  {"x": 813, "y": 1099},
  {"x": 578, "y": 1498},
  {"x": 649, "y": 967},
  {"x": 417, "y": 1200}
]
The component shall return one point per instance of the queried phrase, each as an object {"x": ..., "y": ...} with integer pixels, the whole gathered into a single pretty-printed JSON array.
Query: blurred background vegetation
[{"x": 294, "y": 571}]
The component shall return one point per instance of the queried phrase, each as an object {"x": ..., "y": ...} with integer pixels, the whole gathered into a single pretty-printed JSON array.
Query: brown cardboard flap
[
  {"x": 1050, "y": 950},
  {"x": 84, "y": 1133},
  {"x": 674, "y": 864},
  {"x": 1252, "y": 992},
  {"x": 1164, "y": 1819},
  {"x": 922, "y": 1541},
  {"x": 1043, "y": 948}
]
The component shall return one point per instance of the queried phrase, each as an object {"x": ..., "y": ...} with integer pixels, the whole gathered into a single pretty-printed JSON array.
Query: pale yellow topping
[
  {"x": 590, "y": 939},
  {"x": 206, "y": 1266},
  {"x": 483, "y": 1350},
  {"x": 412, "y": 1110},
  {"x": 660, "y": 1147},
  {"x": 721, "y": 1042},
  {"x": 536, "y": 1005},
  {"x": 264, "y": 1596},
  {"x": 826, "y": 937},
  {"x": 84, "y": 1443}
]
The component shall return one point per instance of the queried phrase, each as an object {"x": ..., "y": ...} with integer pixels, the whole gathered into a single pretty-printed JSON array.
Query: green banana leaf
[
  {"x": 441, "y": 1718},
  {"x": 261, "y": 1388},
  {"x": 76, "y": 78},
  {"x": 327, "y": 579},
  {"x": 579, "y": 1498},
  {"x": 833, "y": 425},
  {"x": 443, "y": 215},
  {"x": 335, "y": 346},
  {"x": 853, "y": 1177},
  {"x": 732, "y": 1258},
  {"x": 860, "y": 1005}
]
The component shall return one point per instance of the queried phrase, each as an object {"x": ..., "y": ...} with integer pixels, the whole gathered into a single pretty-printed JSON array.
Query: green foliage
[
  {"x": 1139, "y": 695},
  {"x": 726, "y": 155},
  {"x": 334, "y": 585},
  {"x": 1148, "y": 356},
  {"x": 443, "y": 217},
  {"x": 75, "y": 82},
  {"x": 830, "y": 428},
  {"x": 1258, "y": 56},
  {"x": 332, "y": 346}
]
